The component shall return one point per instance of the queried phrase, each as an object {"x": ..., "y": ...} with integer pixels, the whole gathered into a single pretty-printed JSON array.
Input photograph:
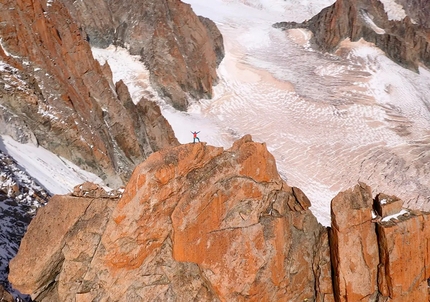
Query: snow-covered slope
[
  {"x": 54, "y": 173},
  {"x": 330, "y": 120}
]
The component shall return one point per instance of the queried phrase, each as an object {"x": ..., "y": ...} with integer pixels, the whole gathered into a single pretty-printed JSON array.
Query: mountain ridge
[
  {"x": 59, "y": 97},
  {"x": 247, "y": 236}
]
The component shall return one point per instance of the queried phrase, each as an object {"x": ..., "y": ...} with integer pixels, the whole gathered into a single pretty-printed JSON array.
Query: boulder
[
  {"x": 386, "y": 205},
  {"x": 61, "y": 238}
]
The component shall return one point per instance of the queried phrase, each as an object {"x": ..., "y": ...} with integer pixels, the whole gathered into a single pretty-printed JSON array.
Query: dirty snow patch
[
  {"x": 368, "y": 20},
  {"x": 394, "y": 10}
]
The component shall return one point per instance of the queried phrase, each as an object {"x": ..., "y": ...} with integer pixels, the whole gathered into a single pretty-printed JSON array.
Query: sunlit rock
[
  {"x": 401, "y": 29},
  {"x": 195, "y": 222}
]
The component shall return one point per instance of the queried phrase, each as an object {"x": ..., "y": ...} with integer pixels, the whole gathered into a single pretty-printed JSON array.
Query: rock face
[
  {"x": 404, "y": 38},
  {"x": 404, "y": 254},
  {"x": 417, "y": 10},
  {"x": 355, "y": 273},
  {"x": 381, "y": 259},
  {"x": 52, "y": 92},
  {"x": 195, "y": 223},
  {"x": 180, "y": 49}
]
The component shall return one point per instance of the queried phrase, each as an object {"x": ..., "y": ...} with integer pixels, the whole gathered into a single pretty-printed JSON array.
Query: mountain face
[
  {"x": 199, "y": 223},
  {"x": 402, "y": 32},
  {"x": 55, "y": 94},
  {"x": 180, "y": 49}
]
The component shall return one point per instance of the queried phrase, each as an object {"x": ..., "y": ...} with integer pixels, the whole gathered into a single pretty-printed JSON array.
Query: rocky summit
[
  {"x": 200, "y": 223},
  {"x": 195, "y": 222}
]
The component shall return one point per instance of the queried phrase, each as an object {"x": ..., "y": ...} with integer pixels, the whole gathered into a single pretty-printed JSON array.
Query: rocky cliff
[
  {"x": 402, "y": 31},
  {"x": 195, "y": 223},
  {"x": 53, "y": 93},
  {"x": 180, "y": 49},
  {"x": 199, "y": 223}
]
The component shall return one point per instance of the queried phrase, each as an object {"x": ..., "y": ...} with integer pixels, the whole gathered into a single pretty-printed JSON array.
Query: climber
[{"x": 195, "y": 136}]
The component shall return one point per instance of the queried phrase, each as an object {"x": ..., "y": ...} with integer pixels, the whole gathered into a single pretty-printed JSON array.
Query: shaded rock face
[
  {"x": 180, "y": 49},
  {"x": 20, "y": 197},
  {"x": 55, "y": 94},
  {"x": 195, "y": 223},
  {"x": 418, "y": 10},
  {"x": 405, "y": 41}
]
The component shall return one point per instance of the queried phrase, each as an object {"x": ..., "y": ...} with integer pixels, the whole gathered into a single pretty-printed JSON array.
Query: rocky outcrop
[
  {"x": 180, "y": 49},
  {"x": 405, "y": 39},
  {"x": 404, "y": 270},
  {"x": 55, "y": 94},
  {"x": 195, "y": 222},
  {"x": 417, "y": 10},
  {"x": 199, "y": 223},
  {"x": 374, "y": 257},
  {"x": 354, "y": 246}
]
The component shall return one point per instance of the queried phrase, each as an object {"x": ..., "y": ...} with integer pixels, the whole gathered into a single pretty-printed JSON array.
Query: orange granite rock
[
  {"x": 195, "y": 222},
  {"x": 404, "y": 252},
  {"x": 354, "y": 245}
]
